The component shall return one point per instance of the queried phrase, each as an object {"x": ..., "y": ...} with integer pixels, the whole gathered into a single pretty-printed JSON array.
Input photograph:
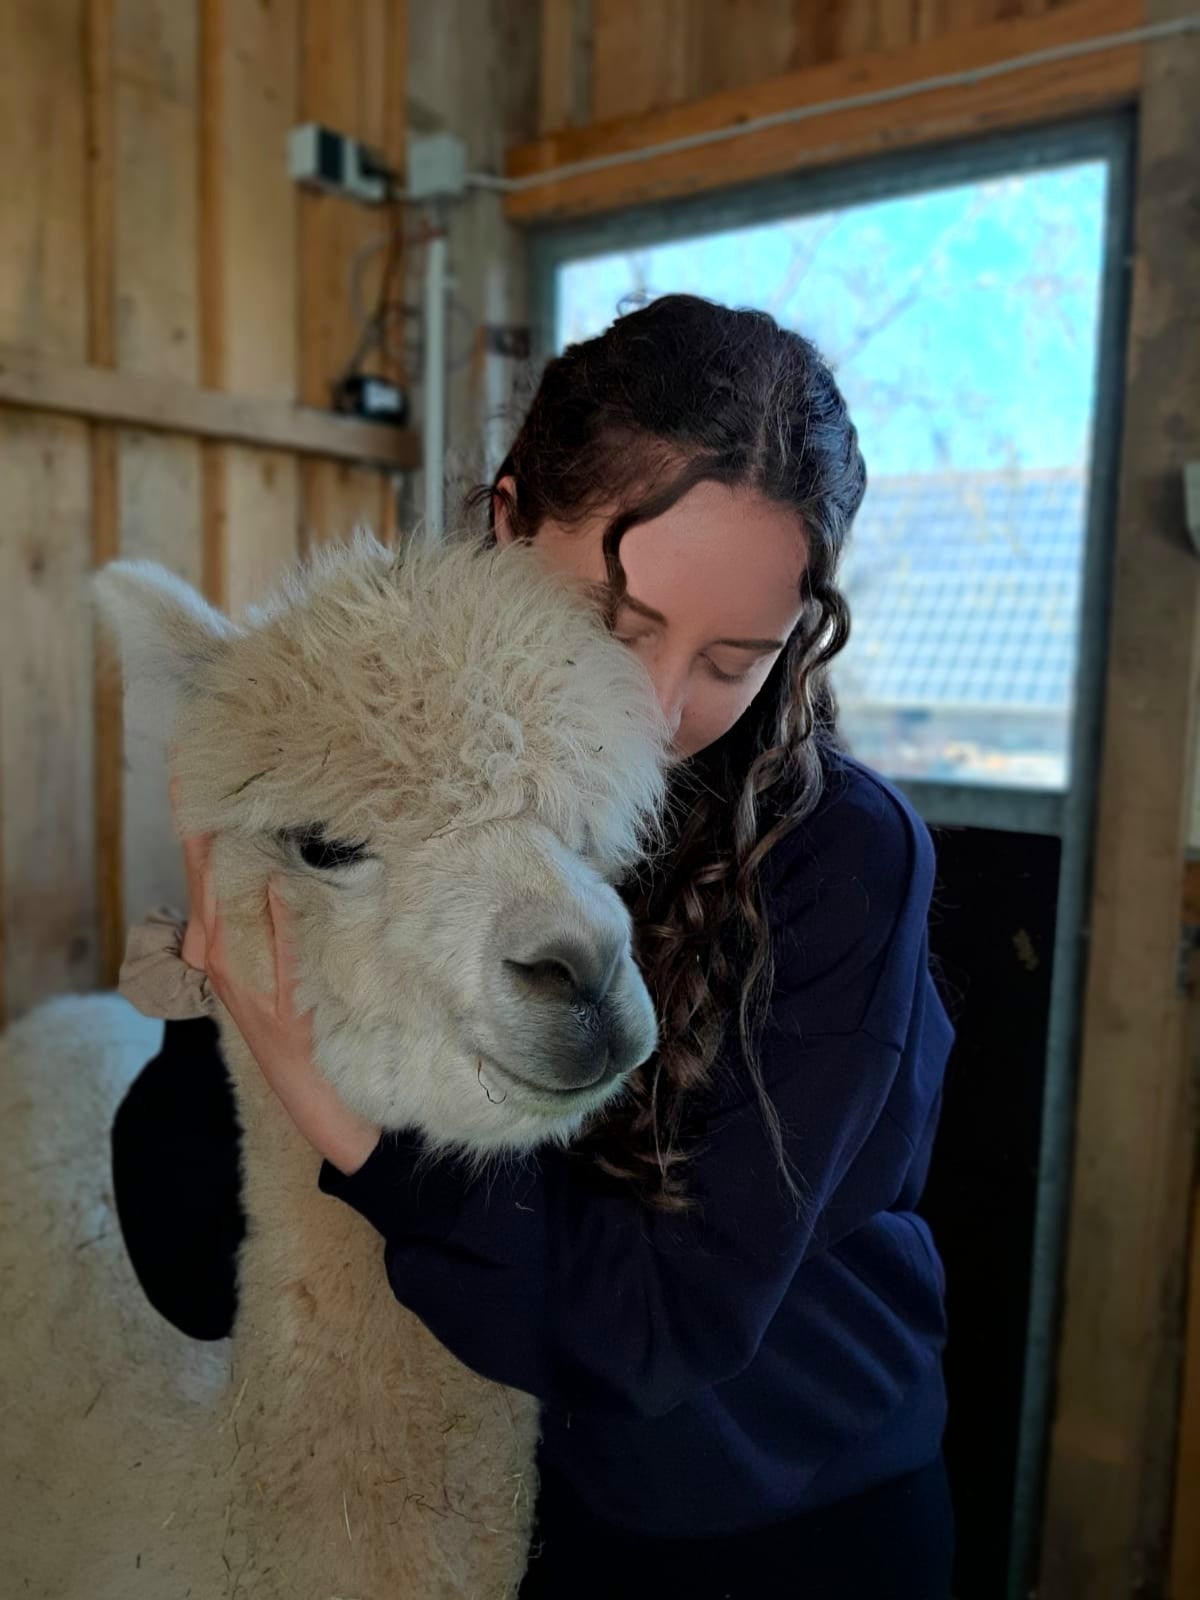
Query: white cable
[{"x": 875, "y": 97}]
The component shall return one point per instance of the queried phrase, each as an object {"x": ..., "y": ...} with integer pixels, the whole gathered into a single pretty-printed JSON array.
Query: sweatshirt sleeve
[{"x": 541, "y": 1276}]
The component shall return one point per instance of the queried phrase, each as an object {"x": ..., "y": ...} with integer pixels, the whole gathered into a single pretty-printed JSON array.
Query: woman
[{"x": 722, "y": 1295}]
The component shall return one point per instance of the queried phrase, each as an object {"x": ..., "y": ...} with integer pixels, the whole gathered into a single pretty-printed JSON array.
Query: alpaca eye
[{"x": 316, "y": 849}]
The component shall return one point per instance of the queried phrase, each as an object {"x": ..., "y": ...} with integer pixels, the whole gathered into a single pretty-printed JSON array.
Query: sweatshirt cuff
[{"x": 403, "y": 1191}]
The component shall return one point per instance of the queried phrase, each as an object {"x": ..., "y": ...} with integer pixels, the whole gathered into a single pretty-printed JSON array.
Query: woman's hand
[{"x": 277, "y": 1036}]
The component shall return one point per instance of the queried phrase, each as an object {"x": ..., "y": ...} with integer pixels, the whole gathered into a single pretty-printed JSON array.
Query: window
[{"x": 963, "y": 325}]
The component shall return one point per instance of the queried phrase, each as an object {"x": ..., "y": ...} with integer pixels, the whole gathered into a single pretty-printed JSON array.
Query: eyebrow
[{"x": 732, "y": 644}]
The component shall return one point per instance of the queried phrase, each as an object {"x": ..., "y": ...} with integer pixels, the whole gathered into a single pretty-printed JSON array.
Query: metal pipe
[{"x": 434, "y": 451}]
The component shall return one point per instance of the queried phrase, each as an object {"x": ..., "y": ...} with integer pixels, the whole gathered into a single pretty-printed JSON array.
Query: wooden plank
[
  {"x": 249, "y": 299},
  {"x": 1112, "y": 1444},
  {"x": 102, "y": 338},
  {"x": 47, "y": 839},
  {"x": 557, "y": 88},
  {"x": 263, "y": 512},
  {"x": 1027, "y": 95},
  {"x": 352, "y": 497},
  {"x": 160, "y": 518},
  {"x": 47, "y": 855},
  {"x": 30, "y": 382},
  {"x": 43, "y": 266},
  {"x": 212, "y": 316},
  {"x": 743, "y": 41},
  {"x": 157, "y": 287},
  {"x": 1185, "y": 1523},
  {"x": 640, "y": 56},
  {"x": 814, "y": 38},
  {"x": 352, "y": 61},
  {"x": 155, "y": 248}
]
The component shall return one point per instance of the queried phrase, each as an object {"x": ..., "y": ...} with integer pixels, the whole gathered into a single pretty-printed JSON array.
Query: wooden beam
[
  {"x": 48, "y": 910},
  {"x": 101, "y": 267},
  {"x": 1023, "y": 97},
  {"x": 210, "y": 168},
  {"x": 1112, "y": 1446},
  {"x": 28, "y": 380},
  {"x": 1185, "y": 1528}
]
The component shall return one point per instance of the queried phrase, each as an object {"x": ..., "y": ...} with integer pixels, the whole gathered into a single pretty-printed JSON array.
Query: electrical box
[
  {"x": 376, "y": 399},
  {"x": 437, "y": 166},
  {"x": 323, "y": 159}
]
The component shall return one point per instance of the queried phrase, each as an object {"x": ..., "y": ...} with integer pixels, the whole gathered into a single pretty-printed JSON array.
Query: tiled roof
[{"x": 964, "y": 591}]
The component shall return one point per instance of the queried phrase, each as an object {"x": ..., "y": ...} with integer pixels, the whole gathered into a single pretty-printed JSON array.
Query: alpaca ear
[{"x": 166, "y": 632}]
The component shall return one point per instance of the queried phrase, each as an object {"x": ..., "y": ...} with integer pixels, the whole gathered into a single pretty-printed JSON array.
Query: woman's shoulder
[{"x": 862, "y": 832}]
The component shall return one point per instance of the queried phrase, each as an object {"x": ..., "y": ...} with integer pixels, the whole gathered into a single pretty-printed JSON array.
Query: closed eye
[
  {"x": 321, "y": 852},
  {"x": 726, "y": 677}
]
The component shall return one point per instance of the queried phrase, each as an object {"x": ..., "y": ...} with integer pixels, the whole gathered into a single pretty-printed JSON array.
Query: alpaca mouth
[{"x": 490, "y": 1069}]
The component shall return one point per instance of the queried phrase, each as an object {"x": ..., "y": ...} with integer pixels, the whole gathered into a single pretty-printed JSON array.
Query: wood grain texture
[
  {"x": 1185, "y": 1522},
  {"x": 650, "y": 54},
  {"x": 1027, "y": 96},
  {"x": 249, "y": 273},
  {"x": 1112, "y": 1443},
  {"x": 160, "y": 520},
  {"x": 556, "y": 66},
  {"x": 155, "y": 115},
  {"x": 43, "y": 133},
  {"x": 48, "y": 920},
  {"x": 350, "y": 65},
  {"x": 32, "y": 383},
  {"x": 100, "y": 224},
  {"x": 150, "y": 284},
  {"x": 47, "y": 838}
]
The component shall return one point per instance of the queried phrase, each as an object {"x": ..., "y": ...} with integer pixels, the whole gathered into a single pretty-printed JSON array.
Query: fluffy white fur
[{"x": 500, "y": 758}]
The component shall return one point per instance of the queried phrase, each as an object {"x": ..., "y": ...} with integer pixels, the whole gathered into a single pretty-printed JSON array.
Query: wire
[{"x": 875, "y": 97}]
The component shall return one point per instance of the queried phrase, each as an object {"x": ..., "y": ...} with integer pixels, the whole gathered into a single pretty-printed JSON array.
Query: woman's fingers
[
  {"x": 196, "y": 948},
  {"x": 196, "y": 848},
  {"x": 285, "y": 966}
]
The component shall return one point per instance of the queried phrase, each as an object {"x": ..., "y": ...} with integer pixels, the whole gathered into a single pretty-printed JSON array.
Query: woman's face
[{"x": 713, "y": 591}]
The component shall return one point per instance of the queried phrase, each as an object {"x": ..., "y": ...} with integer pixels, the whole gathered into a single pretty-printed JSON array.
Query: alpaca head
[{"x": 447, "y": 762}]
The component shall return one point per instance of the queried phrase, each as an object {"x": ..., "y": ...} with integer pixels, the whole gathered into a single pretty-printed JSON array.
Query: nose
[
  {"x": 569, "y": 1007},
  {"x": 574, "y": 971},
  {"x": 563, "y": 983},
  {"x": 670, "y": 687}
]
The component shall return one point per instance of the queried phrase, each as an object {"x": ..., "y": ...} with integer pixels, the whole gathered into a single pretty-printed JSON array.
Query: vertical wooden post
[
  {"x": 101, "y": 345},
  {"x": 1112, "y": 1445},
  {"x": 214, "y": 513}
]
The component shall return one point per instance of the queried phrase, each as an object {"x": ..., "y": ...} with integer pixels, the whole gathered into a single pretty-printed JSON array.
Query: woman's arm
[
  {"x": 537, "y": 1276},
  {"x": 542, "y": 1277}
]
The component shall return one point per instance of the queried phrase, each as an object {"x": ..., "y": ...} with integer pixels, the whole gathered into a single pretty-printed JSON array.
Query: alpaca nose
[
  {"x": 569, "y": 982},
  {"x": 567, "y": 970},
  {"x": 571, "y": 1010}
]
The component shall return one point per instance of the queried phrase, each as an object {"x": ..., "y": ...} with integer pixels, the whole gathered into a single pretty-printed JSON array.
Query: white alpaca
[{"x": 448, "y": 761}]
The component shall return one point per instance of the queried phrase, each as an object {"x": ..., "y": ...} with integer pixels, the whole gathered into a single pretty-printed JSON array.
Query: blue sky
[{"x": 962, "y": 322}]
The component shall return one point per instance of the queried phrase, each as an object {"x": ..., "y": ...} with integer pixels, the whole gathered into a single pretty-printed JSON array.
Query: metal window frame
[{"x": 1070, "y": 816}]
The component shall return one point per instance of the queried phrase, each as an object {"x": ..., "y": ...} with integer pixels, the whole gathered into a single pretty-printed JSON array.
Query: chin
[
  {"x": 472, "y": 1106},
  {"x": 517, "y": 1115}
]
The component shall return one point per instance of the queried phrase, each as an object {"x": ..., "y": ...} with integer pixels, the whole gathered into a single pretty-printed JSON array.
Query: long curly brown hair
[{"x": 675, "y": 393}]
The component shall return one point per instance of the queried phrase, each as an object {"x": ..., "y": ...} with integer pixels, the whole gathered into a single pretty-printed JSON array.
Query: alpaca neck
[{"x": 298, "y": 1239}]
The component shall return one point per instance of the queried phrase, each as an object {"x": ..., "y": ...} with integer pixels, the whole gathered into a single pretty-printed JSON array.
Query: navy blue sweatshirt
[{"x": 751, "y": 1359}]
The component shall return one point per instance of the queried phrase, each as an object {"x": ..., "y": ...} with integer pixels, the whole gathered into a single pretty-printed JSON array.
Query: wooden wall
[
  {"x": 147, "y": 225},
  {"x": 632, "y": 56}
]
